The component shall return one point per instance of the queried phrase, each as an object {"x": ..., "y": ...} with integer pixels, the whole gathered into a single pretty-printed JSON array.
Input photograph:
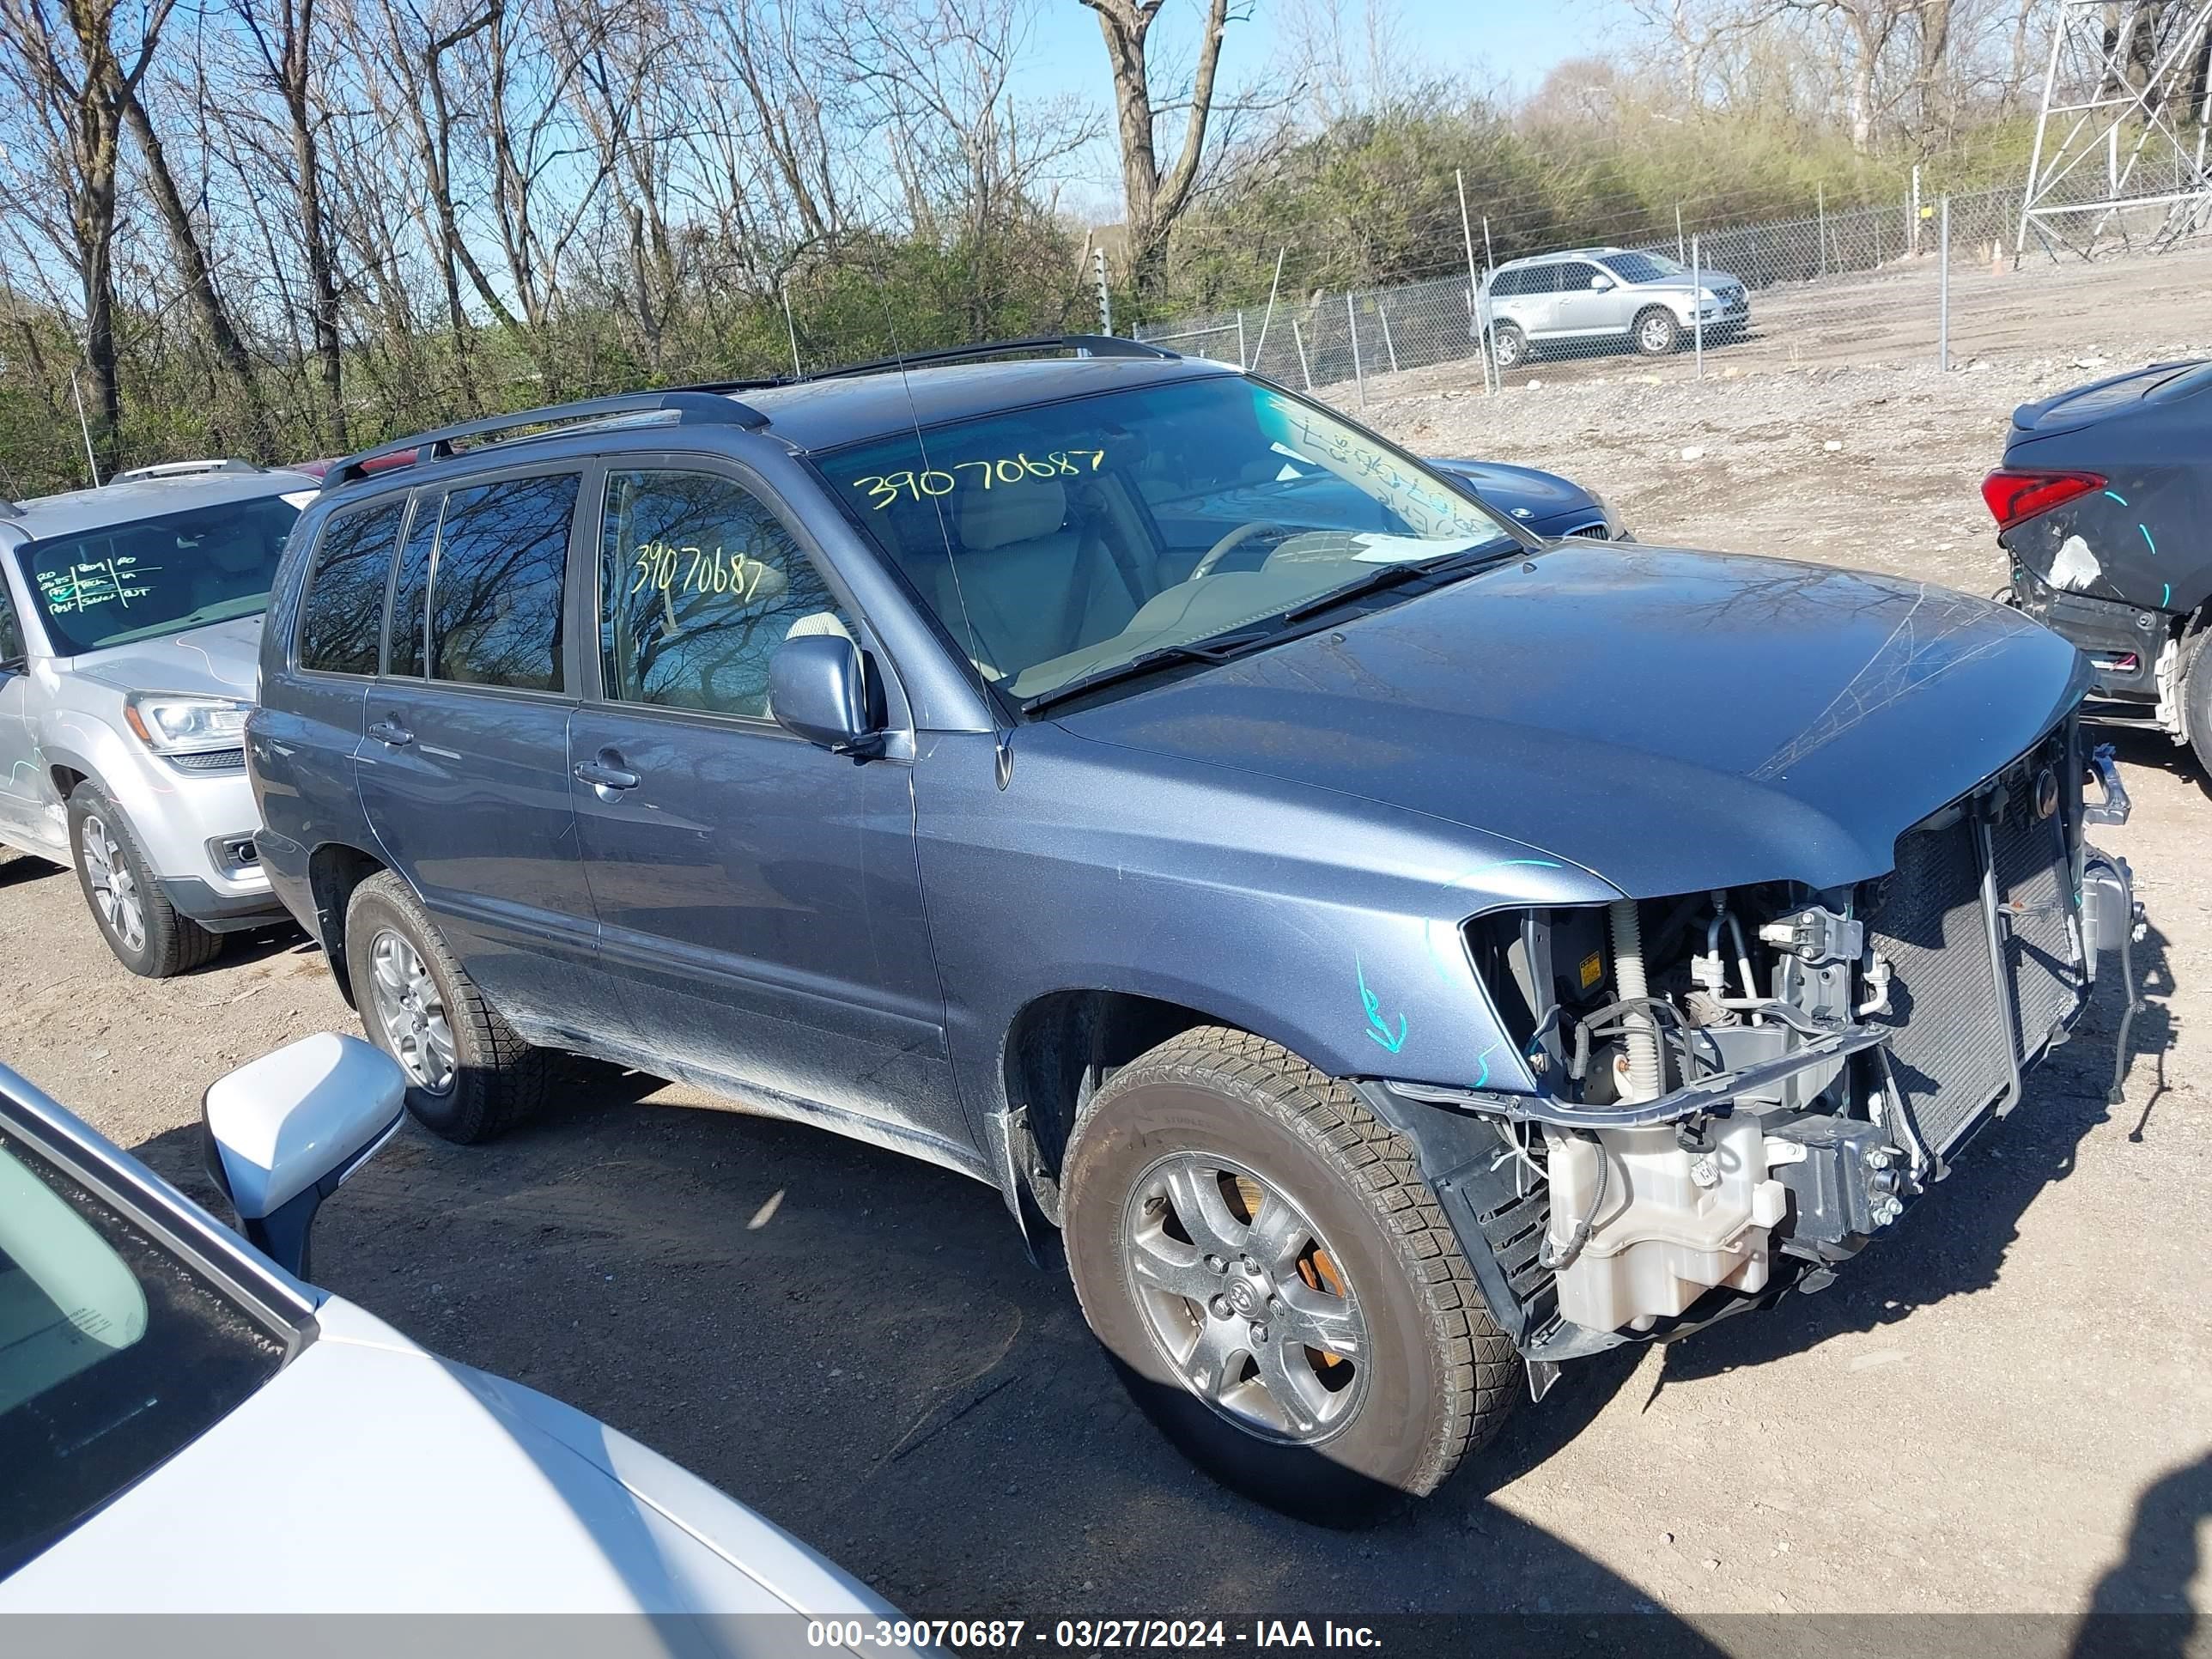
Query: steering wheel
[{"x": 1229, "y": 544}]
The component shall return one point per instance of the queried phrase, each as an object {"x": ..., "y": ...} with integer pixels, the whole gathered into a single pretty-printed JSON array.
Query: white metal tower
[{"x": 2120, "y": 158}]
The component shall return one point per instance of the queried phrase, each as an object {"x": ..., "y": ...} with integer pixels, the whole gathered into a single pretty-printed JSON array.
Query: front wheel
[
  {"x": 1658, "y": 332},
  {"x": 1274, "y": 1281},
  {"x": 1508, "y": 346},
  {"x": 147, "y": 934}
]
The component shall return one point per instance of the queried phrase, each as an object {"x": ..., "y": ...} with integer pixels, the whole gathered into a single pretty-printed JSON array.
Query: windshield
[
  {"x": 1062, "y": 542},
  {"x": 114, "y": 1352},
  {"x": 1643, "y": 267},
  {"x": 153, "y": 576}
]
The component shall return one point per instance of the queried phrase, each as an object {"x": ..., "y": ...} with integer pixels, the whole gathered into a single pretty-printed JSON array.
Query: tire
[
  {"x": 1508, "y": 346},
  {"x": 2196, "y": 696},
  {"x": 1656, "y": 332},
  {"x": 469, "y": 1076},
  {"x": 1378, "y": 1275},
  {"x": 148, "y": 934}
]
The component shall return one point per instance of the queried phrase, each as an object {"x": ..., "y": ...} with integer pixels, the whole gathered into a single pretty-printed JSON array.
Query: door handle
[
  {"x": 392, "y": 732},
  {"x": 605, "y": 778}
]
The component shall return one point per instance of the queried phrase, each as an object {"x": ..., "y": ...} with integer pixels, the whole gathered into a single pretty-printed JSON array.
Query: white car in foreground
[{"x": 187, "y": 1427}]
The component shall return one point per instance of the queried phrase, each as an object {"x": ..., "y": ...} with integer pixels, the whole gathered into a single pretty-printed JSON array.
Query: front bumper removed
[{"x": 1823, "y": 1186}]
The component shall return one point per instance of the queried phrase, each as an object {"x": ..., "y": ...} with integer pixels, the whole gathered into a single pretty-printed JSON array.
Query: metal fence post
[
  {"x": 1821, "y": 196},
  {"x": 1697, "y": 305},
  {"x": 1474, "y": 317},
  {"x": 1298, "y": 339},
  {"x": 791, "y": 330},
  {"x": 1678, "y": 230},
  {"x": 1912, "y": 211},
  {"x": 1351, "y": 325},
  {"x": 1261, "y": 350},
  {"x": 1105, "y": 297},
  {"x": 1241, "y": 361},
  {"x": 1944, "y": 287},
  {"x": 1383, "y": 310}
]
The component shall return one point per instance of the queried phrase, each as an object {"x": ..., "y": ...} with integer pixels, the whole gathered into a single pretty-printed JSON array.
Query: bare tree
[
  {"x": 74, "y": 76},
  {"x": 1155, "y": 199}
]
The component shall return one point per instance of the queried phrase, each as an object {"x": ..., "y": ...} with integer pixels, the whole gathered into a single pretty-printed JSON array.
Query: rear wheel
[
  {"x": 1508, "y": 346},
  {"x": 1656, "y": 332},
  {"x": 469, "y": 1076},
  {"x": 1275, "y": 1283},
  {"x": 2196, "y": 695},
  {"x": 146, "y": 931}
]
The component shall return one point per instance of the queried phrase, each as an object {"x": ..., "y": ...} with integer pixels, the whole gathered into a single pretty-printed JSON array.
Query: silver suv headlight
[{"x": 176, "y": 723}]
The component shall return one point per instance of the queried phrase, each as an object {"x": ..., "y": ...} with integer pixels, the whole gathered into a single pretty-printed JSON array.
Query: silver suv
[
  {"x": 1606, "y": 296},
  {"x": 130, "y": 635}
]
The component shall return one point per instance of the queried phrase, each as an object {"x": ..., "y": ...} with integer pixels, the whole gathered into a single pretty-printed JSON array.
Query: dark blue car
[{"x": 1399, "y": 953}]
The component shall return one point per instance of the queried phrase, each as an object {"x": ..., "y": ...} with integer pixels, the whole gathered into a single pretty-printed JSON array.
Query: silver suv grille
[{"x": 212, "y": 760}]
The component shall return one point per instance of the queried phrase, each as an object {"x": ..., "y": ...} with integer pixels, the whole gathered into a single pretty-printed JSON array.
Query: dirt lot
[{"x": 2007, "y": 1407}]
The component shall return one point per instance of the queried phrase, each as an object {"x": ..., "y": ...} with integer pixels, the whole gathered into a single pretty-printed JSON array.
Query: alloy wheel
[
  {"x": 1658, "y": 334},
  {"x": 1244, "y": 1298},
  {"x": 115, "y": 892},
  {"x": 411, "y": 1012}
]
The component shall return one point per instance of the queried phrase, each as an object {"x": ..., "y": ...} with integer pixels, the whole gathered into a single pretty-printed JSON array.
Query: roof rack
[
  {"x": 689, "y": 406},
  {"x": 1092, "y": 345},
  {"x": 183, "y": 469}
]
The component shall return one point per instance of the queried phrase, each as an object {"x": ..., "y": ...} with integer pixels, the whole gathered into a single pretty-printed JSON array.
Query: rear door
[
  {"x": 1530, "y": 298},
  {"x": 759, "y": 897},
  {"x": 22, "y": 815},
  {"x": 463, "y": 762}
]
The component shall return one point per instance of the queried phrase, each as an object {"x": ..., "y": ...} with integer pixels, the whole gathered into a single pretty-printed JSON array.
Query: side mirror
[
  {"x": 1600, "y": 282},
  {"x": 281, "y": 1133},
  {"x": 817, "y": 689}
]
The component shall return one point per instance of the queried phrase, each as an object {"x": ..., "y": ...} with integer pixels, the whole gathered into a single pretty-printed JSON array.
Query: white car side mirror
[
  {"x": 1601, "y": 284},
  {"x": 282, "y": 1132}
]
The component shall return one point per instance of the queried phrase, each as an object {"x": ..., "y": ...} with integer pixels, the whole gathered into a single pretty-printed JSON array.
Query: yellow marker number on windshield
[{"x": 884, "y": 488}]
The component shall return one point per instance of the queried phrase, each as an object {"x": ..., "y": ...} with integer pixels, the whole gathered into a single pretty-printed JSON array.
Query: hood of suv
[
  {"x": 220, "y": 660},
  {"x": 1670, "y": 721}
]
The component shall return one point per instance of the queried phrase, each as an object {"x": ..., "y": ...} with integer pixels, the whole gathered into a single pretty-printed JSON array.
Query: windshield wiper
[
  {"x": 1219, "y": 649},
  {"x": 1281, "y": 626}
]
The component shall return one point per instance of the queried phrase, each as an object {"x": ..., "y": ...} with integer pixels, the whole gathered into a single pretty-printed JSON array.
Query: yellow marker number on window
[{"x": 885, "y": 488}]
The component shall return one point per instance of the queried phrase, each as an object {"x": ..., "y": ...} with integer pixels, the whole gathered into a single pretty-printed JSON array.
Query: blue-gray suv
[{"x": 1400, "y": 953}]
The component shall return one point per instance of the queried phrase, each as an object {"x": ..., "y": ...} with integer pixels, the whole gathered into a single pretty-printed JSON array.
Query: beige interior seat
[{"x": 1020, "y": 557}]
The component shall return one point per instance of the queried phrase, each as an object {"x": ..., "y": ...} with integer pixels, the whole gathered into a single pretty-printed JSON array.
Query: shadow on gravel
[{"x": 21, "y": 869}]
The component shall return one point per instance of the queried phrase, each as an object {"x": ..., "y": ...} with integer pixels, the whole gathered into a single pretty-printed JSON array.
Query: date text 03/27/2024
[{"x": 1088, "y": 1635}]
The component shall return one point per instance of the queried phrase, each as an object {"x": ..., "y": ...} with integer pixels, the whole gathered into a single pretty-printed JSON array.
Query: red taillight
[{"x": 2015, "y": 497}]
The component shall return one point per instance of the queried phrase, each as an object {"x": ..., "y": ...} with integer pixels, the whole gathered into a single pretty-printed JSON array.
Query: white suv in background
[
  {"x": 129, "y": 636},
  {"x": 1607, "y": 296}
]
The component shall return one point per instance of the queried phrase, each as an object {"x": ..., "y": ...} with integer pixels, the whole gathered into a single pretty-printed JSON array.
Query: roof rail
[
  {"x": 183, "y": 469},
  {"x": 1090, "y": 345},
  {"x": 689, "y": 406}
]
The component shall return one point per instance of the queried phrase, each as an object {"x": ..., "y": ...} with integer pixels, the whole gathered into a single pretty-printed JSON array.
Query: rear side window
[
  {"x": 699, "y": 584},
  {"x": 496, "y": 585},
  {"x": 342, "y": 617}
]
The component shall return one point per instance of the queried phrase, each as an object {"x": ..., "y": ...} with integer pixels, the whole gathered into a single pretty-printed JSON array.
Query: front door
[
  {"x": 1582, "y": 309},
  {"x": 463, "y": 758},
  {"x": 758, "y": 896}
]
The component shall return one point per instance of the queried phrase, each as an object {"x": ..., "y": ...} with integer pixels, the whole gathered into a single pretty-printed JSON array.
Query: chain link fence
[{"x": 1871, "y": 283}]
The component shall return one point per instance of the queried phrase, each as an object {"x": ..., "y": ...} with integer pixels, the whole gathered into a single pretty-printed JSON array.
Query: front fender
[{"x": 1329, "y": 925}]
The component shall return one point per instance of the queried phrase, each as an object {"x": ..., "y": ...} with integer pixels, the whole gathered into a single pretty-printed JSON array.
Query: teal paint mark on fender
[{"x": 1378, "y": 1027}]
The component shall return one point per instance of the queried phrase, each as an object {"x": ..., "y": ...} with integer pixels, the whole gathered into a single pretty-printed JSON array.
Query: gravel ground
[{"x": 2005, "y": 1407}]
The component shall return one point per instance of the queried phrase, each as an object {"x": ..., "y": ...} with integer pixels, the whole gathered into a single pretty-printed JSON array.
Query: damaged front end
[{"x": 1738, "y": 1090}]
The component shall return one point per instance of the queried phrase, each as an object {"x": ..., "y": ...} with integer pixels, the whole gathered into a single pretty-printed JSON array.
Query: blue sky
[{"x": 1495, "y": 42}]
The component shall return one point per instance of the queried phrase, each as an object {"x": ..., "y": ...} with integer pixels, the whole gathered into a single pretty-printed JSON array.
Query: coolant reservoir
[{"x": 1672, "y": 1225}]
